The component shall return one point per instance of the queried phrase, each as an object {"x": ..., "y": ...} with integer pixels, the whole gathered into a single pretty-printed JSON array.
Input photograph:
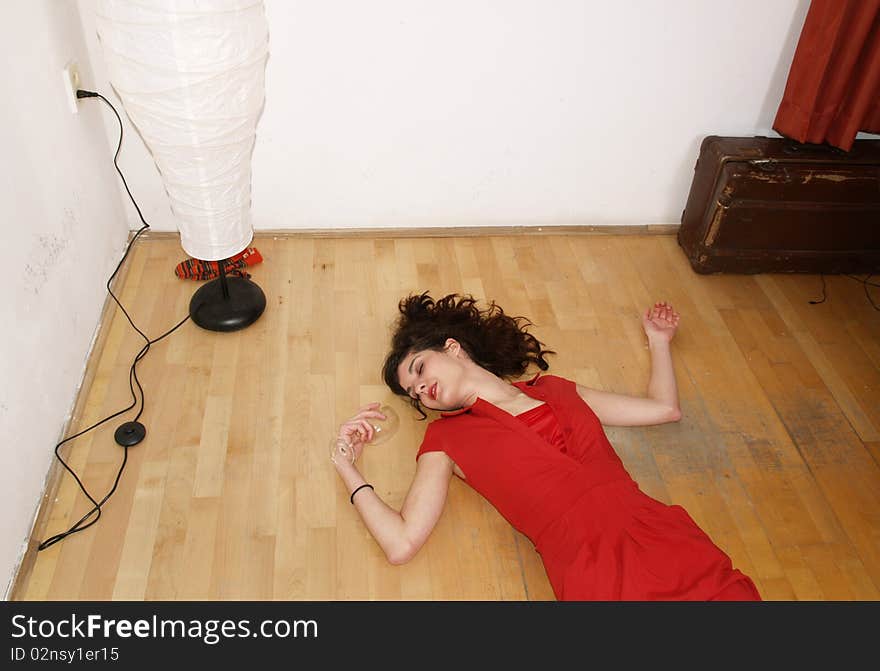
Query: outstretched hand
[
  {"x": 355, "y": 433},
  {"x": 660, "y": 322}
]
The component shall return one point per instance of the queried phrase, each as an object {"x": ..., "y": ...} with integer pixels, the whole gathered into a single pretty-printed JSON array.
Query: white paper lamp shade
[{"x": 191, "y": 77}]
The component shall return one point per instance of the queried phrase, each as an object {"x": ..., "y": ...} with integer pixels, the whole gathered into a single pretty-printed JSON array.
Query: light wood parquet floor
[{"x": 232, "y": 495}]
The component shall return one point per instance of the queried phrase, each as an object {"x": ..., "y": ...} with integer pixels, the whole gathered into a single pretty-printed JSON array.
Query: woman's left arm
[{"x": 661, "y": 404}]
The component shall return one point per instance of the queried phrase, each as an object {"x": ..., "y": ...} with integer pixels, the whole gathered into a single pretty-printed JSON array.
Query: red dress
[{"x": 552, "y": 473}]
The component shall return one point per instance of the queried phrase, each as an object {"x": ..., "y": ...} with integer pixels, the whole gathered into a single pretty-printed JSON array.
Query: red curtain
[{"x": 833, "y": 88}]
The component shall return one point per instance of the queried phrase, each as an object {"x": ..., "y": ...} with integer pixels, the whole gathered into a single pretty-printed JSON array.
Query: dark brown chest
[{"x": 772, "y": 205}]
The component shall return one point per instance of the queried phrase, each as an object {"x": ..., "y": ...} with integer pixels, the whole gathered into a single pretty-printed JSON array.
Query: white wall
[
  {"x": 63, "y": 232},
  {"x": 409, "y": 113}
]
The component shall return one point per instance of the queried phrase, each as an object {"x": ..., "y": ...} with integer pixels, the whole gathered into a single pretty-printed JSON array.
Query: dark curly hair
[{"x": 498, "y": 342}]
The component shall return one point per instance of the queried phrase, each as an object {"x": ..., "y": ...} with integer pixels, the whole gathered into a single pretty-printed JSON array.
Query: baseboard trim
[{"x": 448, "y": 232}]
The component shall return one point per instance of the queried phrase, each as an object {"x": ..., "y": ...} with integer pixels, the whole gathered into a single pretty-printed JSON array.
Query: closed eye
[
  {"x": 419, "y": 364},
  {"x": 418, "y": 373}
]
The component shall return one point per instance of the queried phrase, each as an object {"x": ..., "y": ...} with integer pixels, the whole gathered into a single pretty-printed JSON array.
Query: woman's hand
[
  {"x": 355, "y": 433},
  {"x": 660, "y": 322}
]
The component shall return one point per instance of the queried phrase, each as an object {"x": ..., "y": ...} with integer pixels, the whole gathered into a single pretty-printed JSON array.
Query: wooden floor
[{"x": 232, "y": 495}]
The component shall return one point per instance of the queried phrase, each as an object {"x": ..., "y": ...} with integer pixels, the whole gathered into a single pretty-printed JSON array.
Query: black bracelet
[{"x": 359, "y": 489}]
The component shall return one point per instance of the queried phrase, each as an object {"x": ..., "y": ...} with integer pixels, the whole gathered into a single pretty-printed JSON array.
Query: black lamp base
[{"x": 227, "y": 304}]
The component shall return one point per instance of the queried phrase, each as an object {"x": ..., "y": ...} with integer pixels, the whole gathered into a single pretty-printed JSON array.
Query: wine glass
[{"x": 384, "y": 430}]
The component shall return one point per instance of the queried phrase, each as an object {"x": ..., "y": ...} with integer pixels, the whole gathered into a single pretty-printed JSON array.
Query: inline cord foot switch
[{"x": 130, "y": 433}]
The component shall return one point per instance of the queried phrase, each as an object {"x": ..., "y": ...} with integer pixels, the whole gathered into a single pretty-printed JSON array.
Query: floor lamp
[{"x": 191, "y": 77}]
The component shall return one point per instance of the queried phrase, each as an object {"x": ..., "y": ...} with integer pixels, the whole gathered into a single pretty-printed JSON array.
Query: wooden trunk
[{"x": 773, "y": 205}]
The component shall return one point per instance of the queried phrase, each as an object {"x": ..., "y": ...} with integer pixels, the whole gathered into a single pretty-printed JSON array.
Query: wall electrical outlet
[{"x": 70, "y": 74}]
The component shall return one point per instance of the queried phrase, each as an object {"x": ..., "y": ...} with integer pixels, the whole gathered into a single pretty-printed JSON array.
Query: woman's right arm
[{"x": 401, "y": 534}]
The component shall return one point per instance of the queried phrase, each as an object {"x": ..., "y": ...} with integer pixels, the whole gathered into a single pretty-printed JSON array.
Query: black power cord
[
  {"x": 130, "y": 433},
  {"x": 864, "y": 282},
  {"x": 824, "y": 296}
]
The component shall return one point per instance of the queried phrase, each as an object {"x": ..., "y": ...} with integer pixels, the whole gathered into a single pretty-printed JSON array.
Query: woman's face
[{"x": 437, "y": 379}]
